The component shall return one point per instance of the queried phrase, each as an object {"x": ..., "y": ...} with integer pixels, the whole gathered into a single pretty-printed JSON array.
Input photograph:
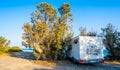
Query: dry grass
[
  {"x": 51, "y": 63},
  {"x": 45, "y": 63},
  {"x": 112, "y": 62},
  {"x": 4, "y": 54}
]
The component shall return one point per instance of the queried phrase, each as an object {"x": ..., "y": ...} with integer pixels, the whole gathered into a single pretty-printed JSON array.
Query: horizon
[{"x": 93, "y": 15}]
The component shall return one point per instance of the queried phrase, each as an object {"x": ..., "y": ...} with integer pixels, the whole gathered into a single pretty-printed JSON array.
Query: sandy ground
[
  {"x": 22, "y": 61},
  {"x": 19, "y": 63}
]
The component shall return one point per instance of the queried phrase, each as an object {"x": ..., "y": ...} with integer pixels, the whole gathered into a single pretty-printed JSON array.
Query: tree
[
  {"x": 83, "y": 32},
  {"x": 92, "y": 33},
  {"x": 48, "y": 33},
  {"x": 4, "y": 42},
  {"x": 112, "y": 40}
]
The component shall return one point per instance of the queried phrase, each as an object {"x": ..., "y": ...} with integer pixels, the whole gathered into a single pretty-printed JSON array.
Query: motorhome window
[{"x": 75, "y": 41}]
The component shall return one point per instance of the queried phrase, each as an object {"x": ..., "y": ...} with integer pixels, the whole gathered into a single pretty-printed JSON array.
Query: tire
[{"x": 73, "y": 60}]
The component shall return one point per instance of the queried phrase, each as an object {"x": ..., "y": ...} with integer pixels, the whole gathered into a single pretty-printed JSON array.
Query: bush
[
  {"x": 8, "y": 49},
  {"x": 15, "y": 49},
  {"x": 4, "y": 50}
]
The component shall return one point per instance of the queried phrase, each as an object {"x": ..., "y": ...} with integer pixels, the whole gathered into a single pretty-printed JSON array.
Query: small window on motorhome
[{"x": 75, "y": 41}]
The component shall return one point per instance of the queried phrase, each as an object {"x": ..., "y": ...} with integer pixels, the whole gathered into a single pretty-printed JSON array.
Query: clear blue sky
[{"x": 92, "y": 14}]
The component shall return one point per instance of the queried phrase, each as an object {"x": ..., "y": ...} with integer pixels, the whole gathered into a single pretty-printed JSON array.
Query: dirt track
[
  {"x": 18, "y": 63},
  {"x": 22, "y": 61}
]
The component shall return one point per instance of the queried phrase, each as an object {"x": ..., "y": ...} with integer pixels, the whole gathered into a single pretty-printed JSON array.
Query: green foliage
[
  {"x": 49, "y": 33},
  {"x": 112, "y": 40},
  {"x": 4, "y": 49},
  {"x": 83, "y": 32},
  {"x": 4, "y": 45},
  {"x": 92, "y": 33},
  {"x": 10, "y": 49},
  {"x": 4, "y": 42},
  {"x": 15, "y": 49}
]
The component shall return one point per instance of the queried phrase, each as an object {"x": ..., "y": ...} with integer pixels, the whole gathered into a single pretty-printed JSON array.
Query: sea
[{"x": 27, "y": 49}]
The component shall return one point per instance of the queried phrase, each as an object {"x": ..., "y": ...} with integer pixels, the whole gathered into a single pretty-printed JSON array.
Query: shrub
[
  {"x": 4, "y": 45},
  {"x": 4, "y": 50},
  {"x": 15, "y": 49},
  {"x": 111, "y": 38}
]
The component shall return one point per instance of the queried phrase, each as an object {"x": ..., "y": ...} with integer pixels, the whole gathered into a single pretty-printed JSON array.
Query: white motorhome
[{"x": 87, "y": 49}]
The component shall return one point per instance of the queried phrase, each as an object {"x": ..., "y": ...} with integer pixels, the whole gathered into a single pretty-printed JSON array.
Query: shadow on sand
[{"x": 24, "y": 55}]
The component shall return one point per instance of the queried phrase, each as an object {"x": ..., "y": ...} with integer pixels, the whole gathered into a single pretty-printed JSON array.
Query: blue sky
[{"x": 92, "y": 14}]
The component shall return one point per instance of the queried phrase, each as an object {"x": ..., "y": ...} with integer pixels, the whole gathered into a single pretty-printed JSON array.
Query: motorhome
[{"x": 87, "y": 49}]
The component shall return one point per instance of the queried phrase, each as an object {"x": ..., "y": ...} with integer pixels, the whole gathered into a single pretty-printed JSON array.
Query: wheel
[{"x": 73, "y": 60}]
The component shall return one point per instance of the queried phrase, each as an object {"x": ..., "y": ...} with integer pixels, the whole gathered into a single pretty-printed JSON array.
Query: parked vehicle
[{"x": 87, "y": 49}]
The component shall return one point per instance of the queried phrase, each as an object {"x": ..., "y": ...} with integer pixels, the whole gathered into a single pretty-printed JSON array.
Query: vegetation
[
  {"x": 4, "y": 45},
  {"x": 112, "y": 62},
  {"x": 10, "y": 49},
  {"x": 4, "y": 42},
  {"x": 83, "y": 32},
  {"x": 15, "y": 49},
  {"x": 5, "y": 48},
  {"x": 112, "y": 41},
  {"x": 49, "y": 33}
]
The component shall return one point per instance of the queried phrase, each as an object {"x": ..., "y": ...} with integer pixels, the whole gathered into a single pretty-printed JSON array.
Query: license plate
[{"x": 93, "y": 61}]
